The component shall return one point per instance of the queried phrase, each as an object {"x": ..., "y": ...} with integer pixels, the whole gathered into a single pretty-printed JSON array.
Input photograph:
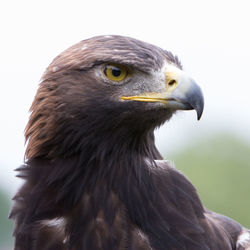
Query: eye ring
[{"x": 115, "y": 72}]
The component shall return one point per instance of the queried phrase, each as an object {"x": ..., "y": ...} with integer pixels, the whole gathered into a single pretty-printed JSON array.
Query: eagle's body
[{"x": 93, "y": 176}]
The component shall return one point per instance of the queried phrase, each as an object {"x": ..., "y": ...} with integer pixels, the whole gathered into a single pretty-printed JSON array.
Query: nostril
[{"x": 172, "y": 82}]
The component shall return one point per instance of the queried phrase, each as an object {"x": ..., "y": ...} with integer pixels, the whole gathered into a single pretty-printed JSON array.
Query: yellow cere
[
  {"x": 115, "y": 72},
  {"x": 172, "y": 78}
]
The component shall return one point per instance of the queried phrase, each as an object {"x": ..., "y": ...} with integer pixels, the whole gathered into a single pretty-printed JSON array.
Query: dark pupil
[{"x": 116, "y": 72}]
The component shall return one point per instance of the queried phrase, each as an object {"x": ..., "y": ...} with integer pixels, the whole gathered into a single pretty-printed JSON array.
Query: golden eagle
[{"x": 94, "y": 179}]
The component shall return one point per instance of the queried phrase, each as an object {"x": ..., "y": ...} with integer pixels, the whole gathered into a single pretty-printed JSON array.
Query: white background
[{"x": 212, "y": 39}]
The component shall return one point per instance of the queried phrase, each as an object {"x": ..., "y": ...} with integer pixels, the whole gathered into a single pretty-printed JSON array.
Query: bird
[{"x": 93, "y": 177}]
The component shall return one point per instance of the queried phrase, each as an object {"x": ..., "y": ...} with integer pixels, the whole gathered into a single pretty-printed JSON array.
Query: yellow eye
[{"x": 115, "y": 72}]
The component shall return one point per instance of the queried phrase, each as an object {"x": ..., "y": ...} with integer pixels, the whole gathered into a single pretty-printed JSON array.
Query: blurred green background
[
  {"x": 5, "y": 224},
  {"x": 218, "y": 166}
]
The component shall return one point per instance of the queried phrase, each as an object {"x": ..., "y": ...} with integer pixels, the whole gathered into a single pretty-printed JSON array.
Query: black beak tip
[
  {"x": 196, "y": 100},
  {"x": 199, "y": 114},
  {"x": 199, "y": 106}
]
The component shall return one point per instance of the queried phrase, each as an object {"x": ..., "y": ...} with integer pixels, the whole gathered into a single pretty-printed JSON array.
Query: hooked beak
[{"x": 181, "y": 93}]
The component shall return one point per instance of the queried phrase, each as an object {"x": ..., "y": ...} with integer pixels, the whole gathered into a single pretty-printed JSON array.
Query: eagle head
[{"x": 105, "y": 84}]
